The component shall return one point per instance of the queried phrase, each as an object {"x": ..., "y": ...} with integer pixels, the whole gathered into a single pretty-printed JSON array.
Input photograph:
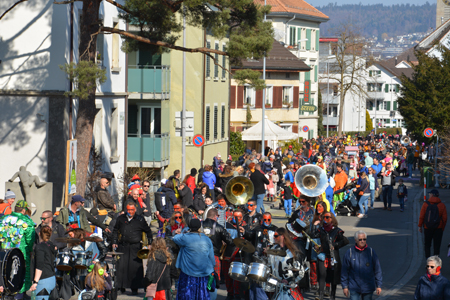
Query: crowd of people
[{"x": 202, "y": 232}]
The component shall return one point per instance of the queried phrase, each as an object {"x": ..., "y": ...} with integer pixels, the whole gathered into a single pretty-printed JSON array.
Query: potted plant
[
  {"x": 286, "y": 103},
  {"x": 267, "y": 105}
]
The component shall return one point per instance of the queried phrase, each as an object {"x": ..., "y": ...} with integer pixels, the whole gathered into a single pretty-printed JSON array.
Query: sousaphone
[
  {"x": 311, "y": 180},
  {"x": 239, "y": 190},
  {"x": 405, "y": 140}
]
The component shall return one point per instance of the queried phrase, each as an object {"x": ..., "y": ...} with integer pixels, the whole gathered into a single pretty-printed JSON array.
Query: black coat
[
  {"x": 258, "y": 179},
  {"x": 139, "y": 210},
  {"x": 167, "y": 210},
  {"x": 223, "y": 180},
  {"x": 217, "y": 234},
  {"x": 155, "y": 269},
  {"x": 57, "y": 231},
  {"x": 186, "y": 197},
  {"x": 199, "y": 203}
]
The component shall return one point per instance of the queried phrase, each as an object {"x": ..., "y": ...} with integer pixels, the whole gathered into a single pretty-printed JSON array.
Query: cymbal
[
  {"x": 276, "y": 252},
  {"x": 244, "y": 245},
  {"x": 114, "y": 253},
  {"x": 94, "y": 239},
  {"x": 67, "y": 240}
]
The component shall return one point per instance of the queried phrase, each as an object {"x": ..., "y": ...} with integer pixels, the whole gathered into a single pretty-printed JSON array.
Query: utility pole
[
  {"x": 263, "y": 121},
  {"x": 183, "y": 110}
]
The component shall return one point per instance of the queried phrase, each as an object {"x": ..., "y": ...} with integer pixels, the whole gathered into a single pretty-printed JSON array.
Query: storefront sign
[{"x": 310, "y": 108}]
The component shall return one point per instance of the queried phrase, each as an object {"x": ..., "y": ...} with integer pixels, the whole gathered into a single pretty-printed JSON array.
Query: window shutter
[
  {"x": 222, "y": 133},
  {"x": 240, "y": 97},
  {"x": 216, "y": 67},
  {"x": 299, "y": 36},
  {"x": 315, "y": 74},
  {"x": 317, "y": 40},
  {"x": 216, "y": 115},
  {"x": 233, "y": 97},
  {"x": 370, "y": 73},
  {"x": 207, "y": 119},
  {"x": 397, "y": 88},
  {"x": 308, "y": 75},
  {"x": 296, "y": 96},
  {"x": 308, "y": 36},
  {"x": 388, "y": 105},
  {"x": 259, "y": 99},
  {"x": 208, "y": 61},
  {"x": 295, "y": 128},
  {"x": 224, "y": 63},
  {"x": 277, "y": 95},
  {"x": 395, "y": 105},
  {"x": 386, "y": 88},
  {"x": 387, "y": 121}
]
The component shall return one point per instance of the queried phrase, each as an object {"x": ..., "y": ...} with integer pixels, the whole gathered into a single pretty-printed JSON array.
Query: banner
[{"x": 71, "y": 168}]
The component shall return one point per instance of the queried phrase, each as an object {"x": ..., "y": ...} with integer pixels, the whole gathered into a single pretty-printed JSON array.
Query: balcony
[
  {"x": 332, "y": 99},
  {"x": 375, "y": 95},
  {"x": 331, "y": 120},
  {"x": 150, "y": 151},
  {"x": 149, "y": 82}
]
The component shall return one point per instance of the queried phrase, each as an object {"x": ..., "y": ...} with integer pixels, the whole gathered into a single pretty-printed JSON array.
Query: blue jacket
[
  {"x": 289, "y": 176},
  {"x": 329, "y": 196},
  {"x": 210, "y": 179},
  {"x": 196, "y": 257},
  {"x": 377, "y": 168},
  {"x": 436, "y": 289},
  {"x": 361, "y": 271}
]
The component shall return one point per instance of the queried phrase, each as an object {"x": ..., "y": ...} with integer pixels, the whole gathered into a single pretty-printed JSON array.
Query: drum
[
  {"x": 258, "y": 272},
  {"x": 59, "y": 274},
  {"x": 284, "y": 295},
  {"x": 238, "y": 271},
  {"x": 82, "y": 260},
  {"x": 13, "y": 270},
  {"x": 64, "y": 261}
]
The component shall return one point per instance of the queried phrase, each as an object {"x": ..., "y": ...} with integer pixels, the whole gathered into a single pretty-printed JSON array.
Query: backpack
[
  {"x": 432, "y": 218},
  {"x": 401, "y": 190}
]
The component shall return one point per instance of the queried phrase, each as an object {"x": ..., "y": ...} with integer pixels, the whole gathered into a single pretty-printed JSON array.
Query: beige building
[
  {"x": 155, "y": 105},
  {"x": 282, "y": 94},
  {"x": 442, "y": 12}
]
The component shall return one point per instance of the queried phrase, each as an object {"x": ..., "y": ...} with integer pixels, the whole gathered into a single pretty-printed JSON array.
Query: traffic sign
[
  {"x": 198, "y": 140},
  {"x": 428, "y": 132},
  {"x": 305, "y": 128}
]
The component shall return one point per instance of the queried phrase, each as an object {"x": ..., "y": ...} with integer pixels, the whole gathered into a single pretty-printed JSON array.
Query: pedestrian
[
  {"x": 196, "y": 262},
  {"x": 186, "y": 197},
  {"x": 58, "y": 230},
  {"x": 363, "y": 192},
  {"x": 190, "y": 181},
  {"x": 410, "y": 162},
  {"x": 402, "y": 194},
  {"x": 99, "y": 280},
  {"x": 433, "y": 218},
  {"x": 388, "y": 175},
  {"x": 361, "y": 270},
  {"x": 259, "y": 180},
  {"x": 373, "y": 185},
  {"x": 210, "y": 179},
  {"x": 432, "y": 285},
  {"x": 287, "y": 198},
  {"x": 158, "y": 269},
  {"x": 5, "y": 207}
]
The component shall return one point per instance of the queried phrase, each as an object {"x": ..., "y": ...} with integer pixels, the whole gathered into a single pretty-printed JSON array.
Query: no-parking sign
[
  {"x": 305, "y": 128},
  {"x": 428, "y": 132},
  {"x": 198, "y": 140}
]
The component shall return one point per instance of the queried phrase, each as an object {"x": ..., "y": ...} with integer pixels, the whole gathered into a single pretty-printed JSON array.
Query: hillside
[{"x": 376, "y": 19}]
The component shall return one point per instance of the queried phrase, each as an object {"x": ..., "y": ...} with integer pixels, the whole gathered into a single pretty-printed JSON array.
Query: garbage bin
[{"x": 428, "y": 173}]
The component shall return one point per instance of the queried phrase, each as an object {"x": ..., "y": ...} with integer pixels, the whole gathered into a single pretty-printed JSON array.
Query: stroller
[{"x": 349, "y": 205}]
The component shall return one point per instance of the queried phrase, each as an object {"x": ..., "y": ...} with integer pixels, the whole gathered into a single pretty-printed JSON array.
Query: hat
[
  {"x": 272, "y": 156},
  {"x": 195, "y": 225},
  {"x": 163, "y": 181},
  {"x": 290, "y": 146},
  {"x": 22, "y": 204},
  {"x": 296, "y": 227},
  {"x": 193, "y": 172},
  {"x": 135, "y": 177},
  {"x": 107, "y": 175},
  {"x": 218, "y": 155},
  {"x": 435, "y": 192},
  {"x": 9, "y": 194},
  {"x": 77, "y": 198}
]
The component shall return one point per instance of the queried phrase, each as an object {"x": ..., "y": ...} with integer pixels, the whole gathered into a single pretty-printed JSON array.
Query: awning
[{"x": 271, "y": 132}]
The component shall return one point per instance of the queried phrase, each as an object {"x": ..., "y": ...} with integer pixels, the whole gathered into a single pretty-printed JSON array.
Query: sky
[{"x": 365, "y": 2}]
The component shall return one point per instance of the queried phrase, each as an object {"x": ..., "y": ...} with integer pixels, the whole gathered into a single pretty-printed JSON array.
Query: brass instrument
[
  {"x": 405, "y": 140},
  {"x": 316, "y": 246},
  {"x": 311, "y": 180},
  {"x": 143, "y": 253},
  {"x": 239, "y": 190},
  {"x": 222, "y": 250}
]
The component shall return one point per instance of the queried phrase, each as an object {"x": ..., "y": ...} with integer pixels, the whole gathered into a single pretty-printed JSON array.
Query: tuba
[
  {"x": 405, "y": 140},
  {"x": 239, "y": 190},
  {"x": 143, "y": 253},
  {"x": 311, "y": 180}
]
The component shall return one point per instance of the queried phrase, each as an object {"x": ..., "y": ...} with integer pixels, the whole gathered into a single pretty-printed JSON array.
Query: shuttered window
[
  {"x": 370, "y": 73},
  {"x": 222, "y": 133},
  {"x": 292, "y": 36},
  {"x": 216, "y": 110},
  {"x": 216, "y": 67},
  {"x": 386, "y": 88},
  {"x": 395, "y": 105},
  {"x": 208, "y": 61},
  {"x": 207, "y": 119},
  {"x": 317, "y": 40},
  {"x": 308, "y": 37},
  {"x": 316, "y": 75},
  {"x": 224, "y": 63},
  {"x": 388, "y": 105},
  {"x": 397, "y": 88}
]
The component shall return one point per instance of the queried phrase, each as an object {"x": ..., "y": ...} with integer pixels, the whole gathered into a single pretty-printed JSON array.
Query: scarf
[
  {"x": 387, "y": 173},
  {"x": 429, "y": 275},
  {"x": 327, "y": 227},
  {"x": 361, "y": 249}
]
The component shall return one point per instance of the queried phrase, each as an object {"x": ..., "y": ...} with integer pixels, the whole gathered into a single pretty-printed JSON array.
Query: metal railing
[
  {"x": 149, "y": 79},
  {"x": 149, "y": 148}
]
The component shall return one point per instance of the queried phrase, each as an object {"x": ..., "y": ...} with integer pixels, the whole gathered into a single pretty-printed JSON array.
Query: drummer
[{"x": 252, "y": 218}]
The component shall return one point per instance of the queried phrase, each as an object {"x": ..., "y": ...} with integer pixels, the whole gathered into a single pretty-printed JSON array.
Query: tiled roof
[
  {"x": 279, "y": 58},
  {"x": 398, "y": 72},
  {"x": 294, "y": 6}
]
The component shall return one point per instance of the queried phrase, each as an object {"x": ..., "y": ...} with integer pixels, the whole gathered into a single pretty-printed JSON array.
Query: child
[
  {"x": 287, "y": 198},
  {"x": 270, "y": 188},
  {"x": 402, "y": 193}
]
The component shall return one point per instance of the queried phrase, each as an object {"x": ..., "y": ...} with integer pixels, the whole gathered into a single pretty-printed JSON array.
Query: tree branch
[
  {"x": 162, "y": 44},
  {"x": 66, "y": 2},
  {"x": 172, "y": 5},
  {"x": 14, "y": 5},
  {"x": 119, "y": 6}
]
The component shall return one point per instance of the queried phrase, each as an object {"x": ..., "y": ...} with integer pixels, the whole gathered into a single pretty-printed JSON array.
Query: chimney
[{"x": 396, "y": 60}]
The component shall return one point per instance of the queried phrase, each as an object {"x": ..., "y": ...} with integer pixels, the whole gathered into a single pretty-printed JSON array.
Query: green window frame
[
  {"x": 216, "y": 115},
  {"x": 386, "y": 88},
  {"x": 395, "y": 105}
]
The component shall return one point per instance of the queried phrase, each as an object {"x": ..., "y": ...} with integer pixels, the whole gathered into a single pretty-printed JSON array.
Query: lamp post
[{"x": 263, "y": 121}]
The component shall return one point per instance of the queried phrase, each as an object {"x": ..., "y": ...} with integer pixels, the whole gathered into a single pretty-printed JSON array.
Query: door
[{"x": 149, "y": 121}]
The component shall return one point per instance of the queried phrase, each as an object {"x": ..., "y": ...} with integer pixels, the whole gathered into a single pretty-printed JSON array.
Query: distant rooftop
[{"x": 298, "y": 7}]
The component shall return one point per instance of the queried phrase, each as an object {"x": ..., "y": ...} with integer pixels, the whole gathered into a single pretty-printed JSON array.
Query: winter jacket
[
  {"x": 199, "y": 202},
  {"x": 104, "y": 199},
  {"x": 223, "y": 180},
  {"x": 186, "y": 197},
  {"x": 438, "y": 288},
  {"x": 210, "y": 179},
  {"x": 217, "y": 234},
  {"x": 170, "y": 199},
  {"x": 361, "y": 271},
  {"x": 442, "y": 212},
  {"x": 258, "y": 179},
  {"x": 85, "y": 218},
  {"x": 364, "y": 187},
  {"x": 341, "y": 180},
  {"x": 377, "y": 168},
  {"x": 190, "y": 182},
  {"x": 155, "y": 269}
]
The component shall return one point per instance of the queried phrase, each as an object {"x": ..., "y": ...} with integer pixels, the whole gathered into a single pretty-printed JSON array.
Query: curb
[{"x": 417, "y": 247}]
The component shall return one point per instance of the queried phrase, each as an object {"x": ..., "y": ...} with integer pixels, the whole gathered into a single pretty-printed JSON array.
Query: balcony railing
[
  {"x": 331, "y": 120},
  {"x": 375, "y": 95},
  {"x": 153, "y": 80},
  {"x": 151, "y": 151},
  {"x": 332, "y": 99}
]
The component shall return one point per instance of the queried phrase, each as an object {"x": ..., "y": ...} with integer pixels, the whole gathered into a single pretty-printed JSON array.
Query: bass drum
[
  {"x": 284, "y": 295},
  {"x": 12, "y": 270}
]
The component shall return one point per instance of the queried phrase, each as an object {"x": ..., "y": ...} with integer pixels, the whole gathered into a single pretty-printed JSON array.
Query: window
[
  {"x": 216, "y": 67},
  {"x": 374, "y": 87},
  {"x": 115, "y": 48},
  {"x": 150, "y": 121},
  {"x": 287, "y": 95},
  {"x": 224, "y": 63},
  {"x": 387, "y": 105},
  {"x": 100, "y": 54},
  {"x": 269, "y": 96},
  {"x": 374, "y": 73},
  {"x": 207, "y": 119},
  {"x": 249, "y": 96},
  {"x": 222, "y": 132},
  {"x": 287, "y": 127},
  {"x": 292, "y": 36},
  {"x": 208, "y": 61},
  {"x": 370, "y": 105},
  {"x": 393, "y": 88},
  {"x": 216, "y": 115},
  {"x": 288, "y": 75}
]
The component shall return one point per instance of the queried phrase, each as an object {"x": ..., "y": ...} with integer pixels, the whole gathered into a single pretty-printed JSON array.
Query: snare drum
[
  {"x": 64, "y": 261},
  {"x": 82, "y": 260},
  {"x": 238, "y": 271},
  {"x": 12, "y": 264},
  {"x": 258, "y": 272}
]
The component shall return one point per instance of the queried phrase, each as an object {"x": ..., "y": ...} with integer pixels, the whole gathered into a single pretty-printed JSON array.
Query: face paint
[{"x": 222, "y": 203}]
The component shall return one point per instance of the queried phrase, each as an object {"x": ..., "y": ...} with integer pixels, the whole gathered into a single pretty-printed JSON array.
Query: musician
[
  {"x": 224, "y": 210},
  {"x": 234, "y": 287},
  {"x": 329, "y": 262},
  {"x": 252, "y": 218},
  {"x": 57, "y": 229},
  {"x": 288, "y": 269},
  {"x": 263, "y": 234},
  {"x": 126, "y": 238},
  {"x": 217, "y": 234},
  {"x": 305, "y": 213}
]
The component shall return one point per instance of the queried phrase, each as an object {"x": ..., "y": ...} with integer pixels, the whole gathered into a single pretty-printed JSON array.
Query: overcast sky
[{"x": 365, "y": 2}]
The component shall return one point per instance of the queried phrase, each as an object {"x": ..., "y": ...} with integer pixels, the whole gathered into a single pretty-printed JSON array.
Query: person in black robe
[{"x": 127, "y": 237}]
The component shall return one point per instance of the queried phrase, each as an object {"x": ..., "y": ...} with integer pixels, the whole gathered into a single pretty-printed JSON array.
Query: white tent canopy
[{"x": 272, "y": 132}]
